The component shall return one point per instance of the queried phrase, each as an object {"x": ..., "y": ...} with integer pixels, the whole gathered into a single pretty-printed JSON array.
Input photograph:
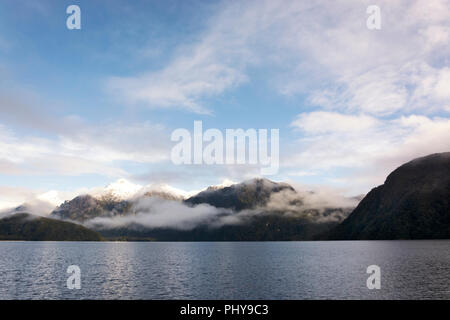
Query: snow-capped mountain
[{"x": 123, "y": 189}]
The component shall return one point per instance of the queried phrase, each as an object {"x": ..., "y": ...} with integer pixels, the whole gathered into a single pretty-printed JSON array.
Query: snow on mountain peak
[
  {"x": 122, "y": 189},
  {"x": 125, "y": 190}
]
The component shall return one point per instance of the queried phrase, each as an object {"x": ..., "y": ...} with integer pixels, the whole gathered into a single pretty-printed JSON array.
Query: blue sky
[{"x": 83, "y": 108}]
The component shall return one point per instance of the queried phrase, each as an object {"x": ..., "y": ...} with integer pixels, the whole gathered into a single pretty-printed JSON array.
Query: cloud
[
  {"x": 183, "y": 83},
  {"x": 320, "y": 205},
  {"x": 367, "y": 145},
  {"x": 139, "y": 142},
  {"x": 320, "y": 49},
  {"x": 37, "y": 156},
  {"x": 380, "y": 95},
  {"x": 331, "y": 122},
  {"x": 442, "y": 86},
  {"x": 155, "y": 212},
  {"x": 13, "y": 196},
  {"x": 35, "y": 201},
  {"x": 36, "y": 207},
  {"x": 90, "y": 149},
  {"x": 36, "y": 139},
  {"x": 375, "y": 72}
]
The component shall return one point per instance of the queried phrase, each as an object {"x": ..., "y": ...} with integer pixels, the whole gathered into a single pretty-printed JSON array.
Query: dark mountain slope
[
  {"x": 413, "y": 203},
  {"x": 245, "y": 195},
  {"x": 260, "y": 228},
  {"x": 23, "y": 226}
]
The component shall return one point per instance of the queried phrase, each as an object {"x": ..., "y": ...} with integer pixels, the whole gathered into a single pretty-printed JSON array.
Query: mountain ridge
[
  {"x": 24, "y": 226},
  {"x": 413, "y": 203},
  {"x": 252, "y": 210}
]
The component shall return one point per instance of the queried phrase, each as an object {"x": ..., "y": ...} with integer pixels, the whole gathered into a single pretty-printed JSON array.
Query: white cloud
[
  {"x": 374, "y": 149},
  {"x": 86, "y": 150},
  {"x": 183, "y": 83},
  {"x": 13, "y": 196},
  {"x": 442, "y": 88},
  {"x": 141, "y": 142},
  {"x": 323, "y": 122},
  {"x": 378, "y": 91},
  {"x": 35, "y": 201},
  {"x": 365, "y": 83},
  {"x": 160, "y": 213},
  {"x": 312, "y": 204},
  {"x": 322, "y": 47},
  {"x": 377, "y": 72},
  {"x": 301, "y": 173}
]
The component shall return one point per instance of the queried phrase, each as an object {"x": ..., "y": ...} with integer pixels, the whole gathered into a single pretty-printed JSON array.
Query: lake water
[{"x": 225, "y": 270}]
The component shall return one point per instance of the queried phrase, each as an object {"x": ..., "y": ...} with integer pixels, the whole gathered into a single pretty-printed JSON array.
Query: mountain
[
  {"x": 86, "y": 207},
  {"x": 413, "y": 203},
  {"x": 259, "y": 210},
  {"x": 116, "y": 199},
  {"x": 246, "y": 195},
  {"x": 254, "y": 210},
  {"x": 241, "y": 196},
  {"x": 23, "y": 226}
]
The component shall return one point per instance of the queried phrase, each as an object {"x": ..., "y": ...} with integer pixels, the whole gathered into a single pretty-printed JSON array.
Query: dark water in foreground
[{"x": 265, "y": 270}]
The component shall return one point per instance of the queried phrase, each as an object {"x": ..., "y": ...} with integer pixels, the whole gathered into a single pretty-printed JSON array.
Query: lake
[{"x": 225, "y": 270}]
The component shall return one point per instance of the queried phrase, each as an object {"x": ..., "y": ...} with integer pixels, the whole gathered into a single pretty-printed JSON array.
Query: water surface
[{"x": 225, "y": 270}]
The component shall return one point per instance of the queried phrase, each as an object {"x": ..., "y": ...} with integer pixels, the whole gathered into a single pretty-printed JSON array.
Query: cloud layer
[
  {"x": 367, "y": 100},
  {"x": 327, "y": 49}
]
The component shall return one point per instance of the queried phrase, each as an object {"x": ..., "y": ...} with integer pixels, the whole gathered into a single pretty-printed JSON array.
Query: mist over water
[{"x": 224, "y": 270}]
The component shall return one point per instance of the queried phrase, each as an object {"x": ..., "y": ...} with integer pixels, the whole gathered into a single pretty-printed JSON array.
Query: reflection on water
[{"x": 224, "y": 270}]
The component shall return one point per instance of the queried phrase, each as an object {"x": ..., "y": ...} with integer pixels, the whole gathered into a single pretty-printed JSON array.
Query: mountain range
[
  {"x": 413, "y": 203},
  {"x": 245, "y": 211}
]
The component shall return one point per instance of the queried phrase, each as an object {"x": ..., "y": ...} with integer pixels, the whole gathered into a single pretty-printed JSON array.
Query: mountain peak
[
  {"x": 245, "y": 195},
  {"x": 121, "y": 189}
]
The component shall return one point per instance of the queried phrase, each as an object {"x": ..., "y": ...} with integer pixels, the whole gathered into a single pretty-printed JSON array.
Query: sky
[{"x": 83, "y": 108}]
